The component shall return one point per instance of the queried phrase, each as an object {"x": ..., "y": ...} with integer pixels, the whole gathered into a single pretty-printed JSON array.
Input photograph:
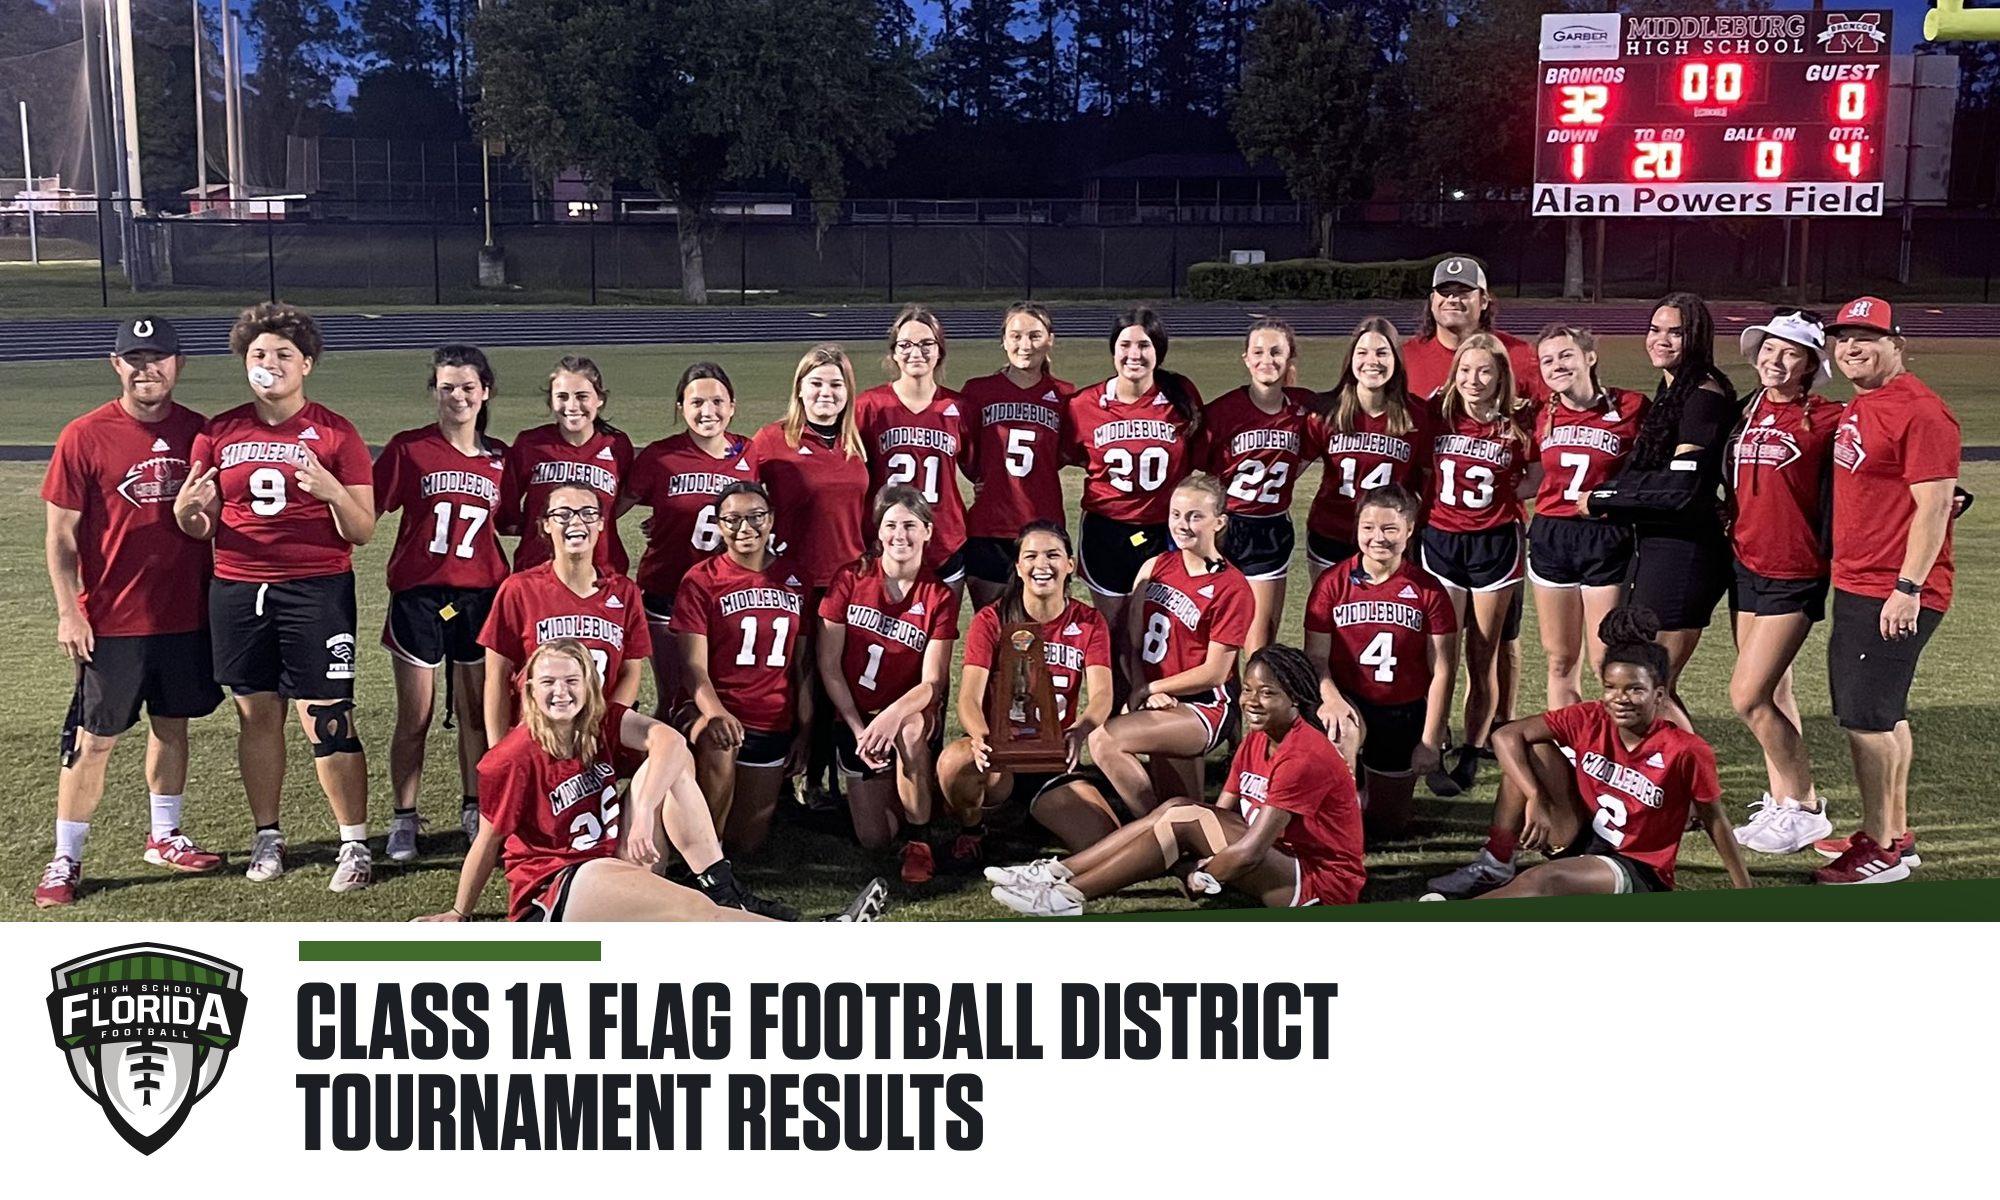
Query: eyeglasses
[
  {"x": 563, "y": 516},
  {"x": 924, "y": 349},
  {"x": 754, "y": 520}
]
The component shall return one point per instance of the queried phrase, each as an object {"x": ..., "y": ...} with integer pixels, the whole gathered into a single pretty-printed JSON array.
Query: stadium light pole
[
  {"x": 128, "y": 89},
  {"x": 232, "y": 144},
  {"x": 28, "y": 170},
  {"x": 200, "y": 120}
]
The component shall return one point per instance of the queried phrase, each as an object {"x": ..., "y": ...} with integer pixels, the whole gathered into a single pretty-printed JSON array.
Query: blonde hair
[
  {"x": 1028, "y": 308},
  {"x": 580, "y": 741},
  {"x": 1452, "y": 404},
  {"x": 826, "y": 354},
  {"x": 1208, "y": 485}
]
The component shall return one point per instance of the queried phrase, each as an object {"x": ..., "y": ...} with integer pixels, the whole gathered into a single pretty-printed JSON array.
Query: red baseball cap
[{"x": 1865, "y": 312}]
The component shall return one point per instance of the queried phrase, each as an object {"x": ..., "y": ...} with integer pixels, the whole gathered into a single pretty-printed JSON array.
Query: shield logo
[{"x": 146, "y": 1030}]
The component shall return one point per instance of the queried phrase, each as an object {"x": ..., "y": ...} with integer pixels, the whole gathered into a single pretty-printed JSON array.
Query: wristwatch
[{"x": 1909, "y": 589}]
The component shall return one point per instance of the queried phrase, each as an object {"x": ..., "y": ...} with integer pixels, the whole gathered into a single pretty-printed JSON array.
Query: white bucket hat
[{"x": 1795, "y": 328}]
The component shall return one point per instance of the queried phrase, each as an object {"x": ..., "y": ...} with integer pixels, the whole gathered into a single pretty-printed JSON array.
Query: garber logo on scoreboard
[{"x": 1580, "y": 37}]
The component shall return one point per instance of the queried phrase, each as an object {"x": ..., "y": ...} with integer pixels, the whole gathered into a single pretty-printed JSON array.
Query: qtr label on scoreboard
[{"x": 1719, "y": 114}]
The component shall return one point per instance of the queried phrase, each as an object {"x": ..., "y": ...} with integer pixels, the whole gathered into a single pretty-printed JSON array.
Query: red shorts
[
  {"x": 1220, "y": 717},
  {"x": 1327, "y": 885}
]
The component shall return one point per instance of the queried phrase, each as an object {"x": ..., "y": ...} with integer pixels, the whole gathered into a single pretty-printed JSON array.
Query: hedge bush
[{"x": 1310, "y": 279}]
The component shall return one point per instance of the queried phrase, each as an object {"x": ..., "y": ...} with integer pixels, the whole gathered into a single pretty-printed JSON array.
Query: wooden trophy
[{"x": 1024, "y": 728}]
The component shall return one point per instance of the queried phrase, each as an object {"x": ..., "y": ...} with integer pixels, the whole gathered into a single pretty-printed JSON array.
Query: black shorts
[
  {"x": 1328, "y": 552},
  {"x": 551, "y": 903},
  {"x": 1638, "y": 877},
  {"x": 1261, "y": 547},
  {"x": 1566, "y": 552},
  {"x": 171, "y": 674},
  {"x": 295, "y": 638},
  {"x": 989, "y": 558},
  {"x": 1393, "y": 733},
  {"x": 1110, "y": 553},
  {"x": 660, "y": 607},
  {"x": 1090, "y": 777},
  {"x": 764, "y": 747},
  {"x": 951, "y": 572},
  {"x": 1762, "y": 596},
  {"x": 429, "y": 625},
  {"x": 1869, "y": 677},
  {"x": 847, "y": 756},
  {"x": 1682, "y": 579},
  {"x": 1485, "y": 561}
]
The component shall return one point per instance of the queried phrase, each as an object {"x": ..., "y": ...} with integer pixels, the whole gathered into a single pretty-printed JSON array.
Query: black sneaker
[
  {"x": 1465, "y": 772},
  {"x": 719, "y": 884},
  {"x": 868, "y": 904}
]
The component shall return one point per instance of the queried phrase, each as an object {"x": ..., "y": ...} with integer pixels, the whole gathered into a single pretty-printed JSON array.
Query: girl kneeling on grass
[
  {"x": 1286, "y": 829},
  {"x": 1603, "y": 787}
]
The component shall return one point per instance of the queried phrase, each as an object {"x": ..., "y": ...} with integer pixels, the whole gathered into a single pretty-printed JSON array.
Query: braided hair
[
  {"x": 1628, "y": 634},
  {"x": 1294, "y": 673},
  {"x": 1660, "y": 430}
]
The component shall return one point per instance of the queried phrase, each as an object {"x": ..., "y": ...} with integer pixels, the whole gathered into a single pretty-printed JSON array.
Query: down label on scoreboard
[{"x": 1777, "y": 114}]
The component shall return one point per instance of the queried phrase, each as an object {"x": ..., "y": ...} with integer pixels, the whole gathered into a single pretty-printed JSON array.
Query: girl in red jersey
[
  {"x": 1286, "y": 829},
  {"x": 1014, "y": 450},
  {"x": 679, "y": 478},
  {"x": 579, "y": 447},
  {"x": 1373, "y": 434},
  {"x": 814, "y": 466},
  {"x": 569, "y": 597},
  {"x": 288, "y": 494},
  {"x": 915, "y": 431},
  {"x": 552, "y": 816},
  {"x": 1076, "y": 643},
  {"x": 1131, "y": 434},
  {"x": 740, "y": 620},
  {"x": 1484, "y": 465},
  {"x": 885, "y": 655},
  {"x": 445, "y": 479},
  {"x": 1379, "y": 630},
  {"x": 1578, "y": 566},
  {"x": 1603, "y": 787},
  {"x": 1182, "y": 639},
  {"x": 1780, "y": 475},
  {"x": 1258, "y": 440}
]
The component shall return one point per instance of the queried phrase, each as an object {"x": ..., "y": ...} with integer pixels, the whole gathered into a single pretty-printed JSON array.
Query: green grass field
[{"x": 1957, "y": 756}]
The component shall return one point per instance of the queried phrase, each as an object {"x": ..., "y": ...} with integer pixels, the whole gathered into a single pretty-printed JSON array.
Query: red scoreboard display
[{"x": 1777, "y": 114}]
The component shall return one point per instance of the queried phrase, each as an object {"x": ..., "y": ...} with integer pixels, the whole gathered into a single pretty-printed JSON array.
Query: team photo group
[{"x": 800, "y": 588}]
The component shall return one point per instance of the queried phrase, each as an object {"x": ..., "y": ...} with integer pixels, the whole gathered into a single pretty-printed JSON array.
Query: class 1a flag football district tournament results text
[{"x": 1779, "y": 114}]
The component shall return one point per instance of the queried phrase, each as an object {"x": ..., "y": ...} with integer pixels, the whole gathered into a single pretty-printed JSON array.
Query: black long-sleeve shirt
[{"x": 1684, "y": 497}]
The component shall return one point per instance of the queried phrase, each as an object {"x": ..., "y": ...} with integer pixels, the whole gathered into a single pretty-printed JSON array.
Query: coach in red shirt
[
  {"x": 130, "y": 607},
  {"x": 1895, "y": 463}
]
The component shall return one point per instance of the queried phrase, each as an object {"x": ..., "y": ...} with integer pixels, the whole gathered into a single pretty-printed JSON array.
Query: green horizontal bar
[
  {"x": 525, "y": 951},
  {"x": 1953, "y": 900}
]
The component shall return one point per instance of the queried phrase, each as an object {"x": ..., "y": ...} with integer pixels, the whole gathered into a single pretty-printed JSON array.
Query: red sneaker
[
  {"x": 968, "y": 854},
  {"x": 1865, "y": 862},
  {"x": 1906, "y": 846},
  {"x": 919, "y": 864},
  {"x": 178, "y": 851},
  {"x": 59, "y": 883}
]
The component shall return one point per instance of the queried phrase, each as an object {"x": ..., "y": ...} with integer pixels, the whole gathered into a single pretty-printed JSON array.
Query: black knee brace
[{"x": 333, "y": 728}]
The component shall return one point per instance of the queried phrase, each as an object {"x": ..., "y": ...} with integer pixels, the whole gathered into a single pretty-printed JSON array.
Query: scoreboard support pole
[
  {"x": 1597, "y": 274},
  {"x": 1805, "y": 257}
]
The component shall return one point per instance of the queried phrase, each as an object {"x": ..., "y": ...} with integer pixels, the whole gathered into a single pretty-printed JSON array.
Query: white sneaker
[
  {"x": 267, "y": 856},
  {"x": 1761, "y": 813},
  {"x": 1041, "y": 871},
  {"x": 1482, "y": 874},
  {"x": 403, "y": 836},
  {"x": 355, "y": 869},
  {"x": 1432, "y": 896},
  {"x": 1042, "y": 900},
  {"x": 1789, "y": 829},
  {"x": 468, "y": 820}
]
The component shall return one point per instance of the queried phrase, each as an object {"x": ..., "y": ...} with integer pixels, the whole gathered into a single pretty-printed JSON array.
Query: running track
[{"x": 44, "y": 341}]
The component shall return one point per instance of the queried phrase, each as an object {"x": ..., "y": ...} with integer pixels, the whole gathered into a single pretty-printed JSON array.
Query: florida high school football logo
[{"x": 147, "y": 1030}]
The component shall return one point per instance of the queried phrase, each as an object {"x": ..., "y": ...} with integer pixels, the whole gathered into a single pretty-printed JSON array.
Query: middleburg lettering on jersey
[
  {"x": 1584, "y": 435},
  {"x": 1624, "y": 778},
  {"x": 735, "y": 602},
  {"x": 1378, "y": 612},
  {"x": 1382, "y": 445},
  {"x": 1265, "y": 439},
  {"x": 894, "y": 628},
  {"x": 580, "y": 627},
  {"x": 1174, "y": 601},
  {"x": 1029, "y": 414},
  {"x": 590, "y": 475},
  {"x": 591, "y": 781},
  {"x": 467, "y": 483},
  {"x": 1135, "y": 430},
  {"x": 699, "y": 483},
  {"x": 1459, "y": 445},
  {"x": 926, "y": 439},
  {"x": 237, "y": 453}
]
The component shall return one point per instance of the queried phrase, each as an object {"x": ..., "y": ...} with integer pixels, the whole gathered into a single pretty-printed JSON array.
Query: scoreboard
[{"x": 1732, "y": 114}]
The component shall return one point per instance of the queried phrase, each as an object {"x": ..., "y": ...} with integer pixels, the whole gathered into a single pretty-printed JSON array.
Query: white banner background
[{"x": 1588, "y": 1059}]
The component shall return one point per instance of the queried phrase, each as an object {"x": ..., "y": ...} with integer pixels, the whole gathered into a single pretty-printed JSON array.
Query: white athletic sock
[
  {"x": 69, "y": 839},
  {"x": 166, "y": 814},
  {"x": 354, "y": 833}
]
